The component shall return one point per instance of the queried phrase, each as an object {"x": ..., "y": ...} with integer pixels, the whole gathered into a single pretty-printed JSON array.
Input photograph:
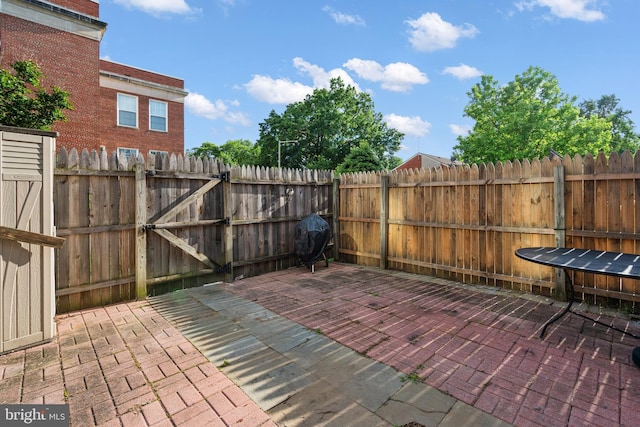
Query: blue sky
[{"x": 240, "y": 59}]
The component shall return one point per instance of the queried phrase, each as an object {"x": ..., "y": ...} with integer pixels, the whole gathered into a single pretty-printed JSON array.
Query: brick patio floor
[
  {"x": 480, "y": 345},
  {"x": 125, "y": 365}
]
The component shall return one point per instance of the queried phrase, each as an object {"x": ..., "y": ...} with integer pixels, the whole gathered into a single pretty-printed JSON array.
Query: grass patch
[{"x": 413, "y": 376}]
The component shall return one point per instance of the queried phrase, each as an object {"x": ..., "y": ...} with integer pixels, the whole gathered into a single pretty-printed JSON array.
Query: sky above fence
[{"x": 241, "y": 59}]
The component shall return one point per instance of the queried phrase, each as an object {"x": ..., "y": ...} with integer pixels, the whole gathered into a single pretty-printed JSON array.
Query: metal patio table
[{"x": 617, "y": 264}]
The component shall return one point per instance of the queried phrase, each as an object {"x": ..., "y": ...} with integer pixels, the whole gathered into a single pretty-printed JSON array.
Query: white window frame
[
  {"x": 156, "y": 152},
  {"x": 136, "y": 112},
  {"x": 165, "y": 117},
  {"x": 127, "y": 152}
]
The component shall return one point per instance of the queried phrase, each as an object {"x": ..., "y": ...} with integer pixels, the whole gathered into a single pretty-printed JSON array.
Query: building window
[
  {"x": 127, "y": 110},
  {"x": 127, "y": 152},
  {"x": 158, "y": 152},
  {"x": 157, "y": 115}
]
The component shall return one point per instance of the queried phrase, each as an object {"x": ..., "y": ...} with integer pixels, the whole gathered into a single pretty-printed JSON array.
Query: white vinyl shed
[{"x": 27, "y": 237}]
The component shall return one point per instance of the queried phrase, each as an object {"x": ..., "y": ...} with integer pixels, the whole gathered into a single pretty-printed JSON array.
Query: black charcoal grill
[{"x": 312, "y": 236}]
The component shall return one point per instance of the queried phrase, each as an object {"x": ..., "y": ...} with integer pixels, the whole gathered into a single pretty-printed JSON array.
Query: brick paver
[
  {"x": 125, "y": 365},
  {"x": 479, "y": 345}
]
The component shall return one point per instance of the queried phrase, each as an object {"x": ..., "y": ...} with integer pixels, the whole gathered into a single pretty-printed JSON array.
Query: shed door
[{"x": 26, "y": 269}]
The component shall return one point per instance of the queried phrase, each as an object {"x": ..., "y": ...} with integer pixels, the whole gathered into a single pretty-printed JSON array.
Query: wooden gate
[
  {"x": 26, "y": 237},
  {"x": 167, "y": 222}
]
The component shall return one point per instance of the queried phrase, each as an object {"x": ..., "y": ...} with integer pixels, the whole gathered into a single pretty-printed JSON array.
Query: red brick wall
[
  {"x": 72, "y": 63},
  {"x": 150, "y": 76},
  {"x": 413, "y": 163},
  {"x": 86, "y": 7},
  {"x": 77, "y": 73},
  {"x": 113, "y": 136}
]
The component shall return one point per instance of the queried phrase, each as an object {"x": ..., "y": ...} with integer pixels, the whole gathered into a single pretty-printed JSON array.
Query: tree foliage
[
  {"x": 623, "y": 134},
  {"x": 394, "y": 162},
  {"x": 232, "y": 152},
  {"x": 322, "y": 130},
  {"x": 361, "y": 159},
  {"x": 525, "y": 119},
  {"x": 25, "y": 103},
  {"x": 207, "y": 149}
]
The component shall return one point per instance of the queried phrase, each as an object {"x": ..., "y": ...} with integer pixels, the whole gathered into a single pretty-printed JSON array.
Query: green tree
[
  {"x": 321, "y": 130},
  {"x": 525, "y": 119},
  {"x": 623, "y": 134},
  {"x": 232, "y": 152},
  {"x": 394, "y": 162},
  {"x": 207, "y": 149},
  {"x": 25, "y": 103},
  {"x": 361, "y": 159}
]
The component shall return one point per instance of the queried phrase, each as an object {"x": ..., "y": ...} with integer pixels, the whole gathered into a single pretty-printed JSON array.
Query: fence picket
[{"x": 459, "y": 222}]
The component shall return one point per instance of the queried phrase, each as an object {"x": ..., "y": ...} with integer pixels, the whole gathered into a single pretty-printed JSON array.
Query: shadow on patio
[
  {"x": 346, "y": 345},
  {"x": 479, "y": 345}
]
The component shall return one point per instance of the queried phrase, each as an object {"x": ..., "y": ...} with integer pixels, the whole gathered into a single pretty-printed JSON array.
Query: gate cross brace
[
  {"x": 157, "y": 225},
  {"x": 181, "y": 244},
  {"x": 186, "y": 202}
]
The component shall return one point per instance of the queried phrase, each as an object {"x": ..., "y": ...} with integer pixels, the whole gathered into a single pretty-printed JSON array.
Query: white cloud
[
  {"x": 200, "y": 106},
  {"x": 367, "y": 69},
  {"x": 276, "y": 91},
  {"x": 460, "y": 130},
  {"x": 239, "y": 118},
  {"x": 413, "y": 126},
  {"x": 396, "y": 77},
  {"x": 463, "y": 71},
  {"x": 341, "y": 18},
  {"x": 582, "y": 10},
  {"x": 158, "y": 6},
  {"x": 321, "y": 77},
  {"x": 429, "y": 33},
  {"x": 285, "y": 91}
]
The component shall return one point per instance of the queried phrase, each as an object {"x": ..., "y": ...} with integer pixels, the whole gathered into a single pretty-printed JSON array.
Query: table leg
[
  {"x": 555, "y": 318},
  {"x": 558, "y": 316}
]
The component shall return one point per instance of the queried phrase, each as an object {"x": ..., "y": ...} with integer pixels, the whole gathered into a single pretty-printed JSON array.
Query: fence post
[
  {"x": 141, "y": 235},
  {"x": 384, "y": 216},
  {"x": 336, "y": 221},
  {"x": 559, "y": 226},
  {"x": 227, "y": 197}
]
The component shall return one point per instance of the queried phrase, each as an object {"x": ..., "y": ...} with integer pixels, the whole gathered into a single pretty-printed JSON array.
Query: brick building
[
  {"x": 141, "y": 107},
  {"x": 426, "y": 161},
  {"x": 116, "y": 107}
]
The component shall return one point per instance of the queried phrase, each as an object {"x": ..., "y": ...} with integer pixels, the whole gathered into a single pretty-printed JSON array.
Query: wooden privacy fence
[
  {"x": 465, "y": 222},
  {"x": 137, "y": 228},
  {"x": 134, "y": 228}
]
